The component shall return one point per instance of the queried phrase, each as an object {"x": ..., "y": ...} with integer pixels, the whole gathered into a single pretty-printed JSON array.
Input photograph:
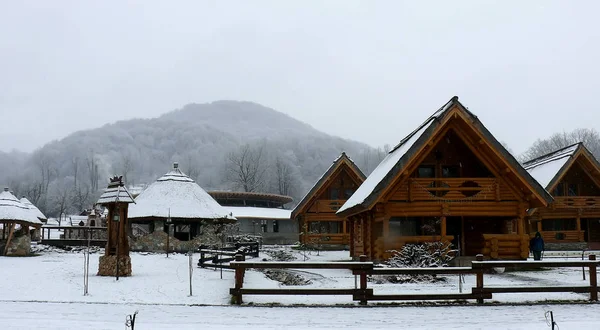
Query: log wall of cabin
[{"x": 466, "y": 184}]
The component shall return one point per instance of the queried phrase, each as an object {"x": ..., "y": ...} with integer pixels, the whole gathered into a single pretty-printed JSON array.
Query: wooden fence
[
  {"x": 220, "y": 258},
  {"x": 362, "y": 269},
  {"x": 73, "y": 236}
]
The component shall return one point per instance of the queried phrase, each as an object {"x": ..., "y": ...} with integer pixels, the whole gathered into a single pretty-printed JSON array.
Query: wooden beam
[{"x": 11, "y": 230}]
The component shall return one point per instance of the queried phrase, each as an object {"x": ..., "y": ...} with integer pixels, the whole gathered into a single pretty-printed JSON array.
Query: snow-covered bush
[
  {"x": 424, "y": 255},
  {"x": 280, "y": 255}
]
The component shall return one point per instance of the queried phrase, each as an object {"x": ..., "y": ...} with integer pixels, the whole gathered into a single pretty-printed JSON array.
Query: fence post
[
  {"x": 363, "y": 282},
  {"x": 593, "y": 279},
  {"x": 479, "y": 284},
  {"x": 239, "y": 280}
]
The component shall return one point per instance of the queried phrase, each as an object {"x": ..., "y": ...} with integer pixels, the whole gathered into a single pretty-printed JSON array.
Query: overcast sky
[{"x": 366, "y": 70}]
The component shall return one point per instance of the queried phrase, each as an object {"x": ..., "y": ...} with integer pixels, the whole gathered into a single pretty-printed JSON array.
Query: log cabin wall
[{"x": 319, "y": 224}]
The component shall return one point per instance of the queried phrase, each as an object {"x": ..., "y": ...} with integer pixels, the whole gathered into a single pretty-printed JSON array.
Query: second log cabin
[
  {"x": 572, "y": 220},
  {"x": 449, "y": 180},
  {"x": 315, "y": 213}
]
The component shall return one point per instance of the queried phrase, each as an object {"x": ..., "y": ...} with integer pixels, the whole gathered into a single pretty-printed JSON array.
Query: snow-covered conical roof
[
  {"x": 12, "y": 210},
  {"x": 178, "y": 196},
  {"x": 34, "y": 210}
]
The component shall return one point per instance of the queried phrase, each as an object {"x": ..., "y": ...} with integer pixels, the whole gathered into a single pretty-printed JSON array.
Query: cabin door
[{"x": 593, "y": 233}]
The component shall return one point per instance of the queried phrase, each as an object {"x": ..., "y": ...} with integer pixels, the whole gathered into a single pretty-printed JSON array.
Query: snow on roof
[
  {"x": 11, "y": 209},
  {"x": 546, "y": 167},
  {"x": 241, "y": 212},
  {"x": 379, "y": 173},
  {"x": 115, "y": 193},
  {"x": 178, "y": 196},
  {"x": 323, "y": 176},
  {"x": 35, "y": 211}
]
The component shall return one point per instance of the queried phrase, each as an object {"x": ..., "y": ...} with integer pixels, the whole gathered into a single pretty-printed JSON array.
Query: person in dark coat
[{"x": 536, "y": 245}]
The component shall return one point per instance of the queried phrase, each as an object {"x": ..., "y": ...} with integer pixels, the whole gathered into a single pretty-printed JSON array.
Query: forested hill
[{"x": 198, "y": 136}]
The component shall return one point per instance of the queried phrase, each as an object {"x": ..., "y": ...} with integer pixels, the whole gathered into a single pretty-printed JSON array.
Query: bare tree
[
  {"x": 125, "y": 167},
  {"x": 284, "y": 178},
  {"x": 61, "y": 199},
  {"x": 589, "y": 137},
  {"x": 92, "y": 167},
  {"x": 81, "y": 197},
  {"x": 192, "y": 168},
  {"x": 245, "y": 168},
  {"x": 75, "y": 169}
]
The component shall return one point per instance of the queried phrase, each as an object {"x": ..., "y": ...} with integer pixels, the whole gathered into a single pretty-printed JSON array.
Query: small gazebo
[
  {"x": 16, "y": 241},
  {"x": 176, "y": 199}
]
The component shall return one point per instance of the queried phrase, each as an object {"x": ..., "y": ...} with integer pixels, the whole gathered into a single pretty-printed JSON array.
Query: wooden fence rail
[{"x": 363, "y": 268}]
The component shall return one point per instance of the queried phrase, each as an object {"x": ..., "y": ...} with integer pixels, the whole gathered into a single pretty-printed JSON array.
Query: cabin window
[
  {"x": 334, "y": 193},
  {"x": 275, "y": 226},
  {"x": 263, "y": 226},
  {"x": 93, "y": 223},
  {"x": 426, "y": 171},
  {"x": 572, "y": 190},
  {"x": 559, "y": 224},
  {"x": 406, "y": 226},
  {"x": 348, "y": 193},
  {"x": 451, "y": 171},
  {"x": 326, "y": 227},
  {"x": 559, "y": 190},
  {"x": 413, "y": 226}
]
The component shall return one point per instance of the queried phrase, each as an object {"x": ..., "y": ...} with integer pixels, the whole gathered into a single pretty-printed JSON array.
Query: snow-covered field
[{"x": 49, "y": 288}]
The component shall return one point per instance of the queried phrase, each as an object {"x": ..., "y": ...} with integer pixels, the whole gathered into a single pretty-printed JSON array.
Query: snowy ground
[{"x": 51, "y": 285}]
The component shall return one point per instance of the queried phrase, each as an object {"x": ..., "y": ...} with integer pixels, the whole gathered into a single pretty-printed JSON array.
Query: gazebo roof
[
  {"x": 12, "y": 210},
  {"x": 34, "y": 210},
  {"x": 178, "y": 196}
]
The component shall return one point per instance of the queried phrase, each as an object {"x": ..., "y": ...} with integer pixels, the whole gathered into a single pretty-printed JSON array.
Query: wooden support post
[
  {"x": 239, "y": 280},
  {"x": 539, "y": 225},
  {"x": 11, "y": 229},
  {"x": 593, "y": 280},
  {"x": 580, "y": 237},
  {"x": 479, "y": 283},
  {"x": 363, "y": 282},
  {"x": 443, "y": 227}
]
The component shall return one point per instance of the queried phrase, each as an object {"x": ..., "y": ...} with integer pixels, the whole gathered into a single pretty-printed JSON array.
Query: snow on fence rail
[{"x": 364, "y": 268}]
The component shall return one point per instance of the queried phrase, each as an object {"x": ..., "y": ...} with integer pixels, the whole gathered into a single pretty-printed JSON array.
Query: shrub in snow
[
  {"x": 285, "y": 277},
  {"x": 280, "y": 255},
  {"x": 424, "y": 255}
]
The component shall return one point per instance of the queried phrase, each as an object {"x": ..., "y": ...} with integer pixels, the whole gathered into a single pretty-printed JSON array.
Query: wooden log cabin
[
  {"x": 449, "y": 180},
  {"x": 572, "y": 220},
  {"x": 315, "y": 213}
]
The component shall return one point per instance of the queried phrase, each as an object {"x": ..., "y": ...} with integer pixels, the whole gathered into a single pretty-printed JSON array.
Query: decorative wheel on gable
[{"x": 473, "y": 188}]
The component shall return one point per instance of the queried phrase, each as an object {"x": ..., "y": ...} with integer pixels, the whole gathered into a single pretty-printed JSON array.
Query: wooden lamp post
[{"x": 116, "y": 261}]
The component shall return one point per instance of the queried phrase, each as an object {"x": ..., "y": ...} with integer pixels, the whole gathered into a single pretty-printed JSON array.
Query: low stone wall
[
  {"x": 20, "y": 246},
  {"x": 108, "y": 266},
  {"x": 566, "y": 246},
  {"x": 157, "y": 242}
]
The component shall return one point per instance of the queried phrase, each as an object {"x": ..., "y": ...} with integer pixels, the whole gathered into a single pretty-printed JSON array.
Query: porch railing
[
  {"x": 576, "y": 202},
  {"x": 421, "y": 189}
]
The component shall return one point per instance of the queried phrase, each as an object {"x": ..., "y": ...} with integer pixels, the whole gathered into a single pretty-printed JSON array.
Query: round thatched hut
[{"x": 15, "y": 219}]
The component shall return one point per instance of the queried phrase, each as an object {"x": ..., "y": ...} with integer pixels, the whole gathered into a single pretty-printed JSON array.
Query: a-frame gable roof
[
  {"x": 550, "y": 168},
  {"x": 408, "y": 148},
  {"x": 339, "y": 161}
]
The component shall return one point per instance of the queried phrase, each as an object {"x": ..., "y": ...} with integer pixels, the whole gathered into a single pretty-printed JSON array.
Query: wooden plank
[
  {"x": 530, "y": 264},
  {"x": 525, "y": 289},
  {"x": 433, "y": 296},
  {"x": 303, "y": 265},
  {"x": 419, "y": 271},
  {"x": 296, "y": 291}
]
